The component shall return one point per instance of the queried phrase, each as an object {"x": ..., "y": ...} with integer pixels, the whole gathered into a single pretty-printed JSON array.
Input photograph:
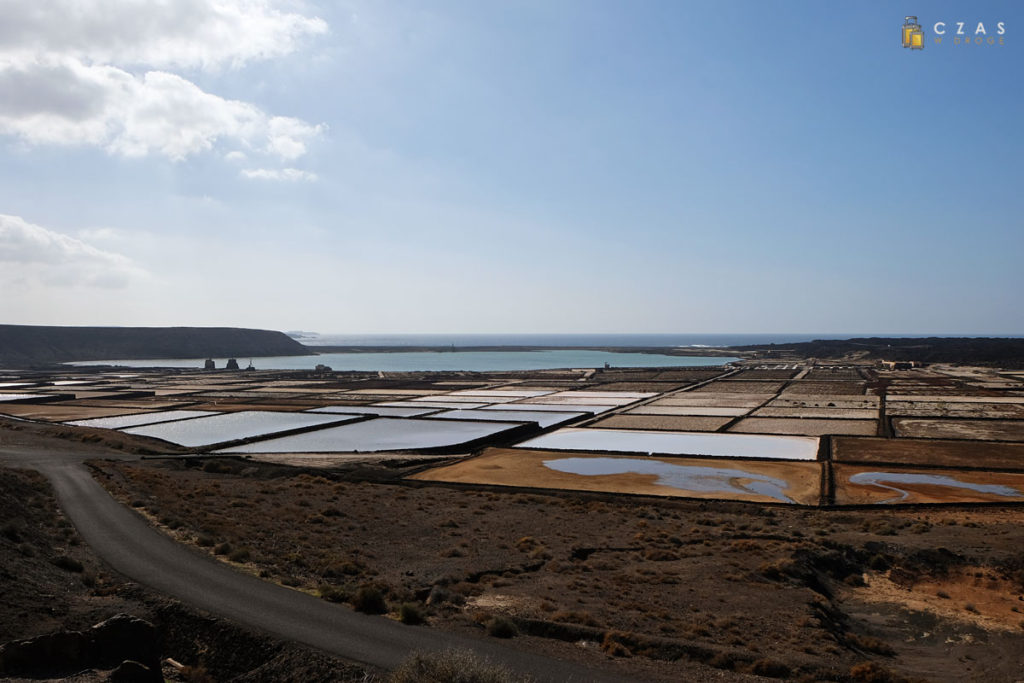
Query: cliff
[{"x": 22, "y": 345}]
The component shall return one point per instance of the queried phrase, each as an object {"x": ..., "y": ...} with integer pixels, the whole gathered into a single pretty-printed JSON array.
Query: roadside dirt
[{"x": 738, "y": 588}]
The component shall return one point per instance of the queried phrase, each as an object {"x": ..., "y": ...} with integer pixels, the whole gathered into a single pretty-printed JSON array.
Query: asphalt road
[{"x": 129, "y": 545}]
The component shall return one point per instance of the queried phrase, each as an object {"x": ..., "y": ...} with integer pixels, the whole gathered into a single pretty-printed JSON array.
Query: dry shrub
[
  {"x": 776, "y": 569},
  {"x": 369, "y": 600},
  {"x": 69, "y": 564},
  {"x": 450, "y": 666},
  {"x": 582, "y": 618},
  {"x": 871, "y": 644},
  {"x": 769, "y": 668},
  {"x": 501, "y": 627},
  {"x": 613, "y": 644},
  {"x": 869, "y": 672},
  {"x": 196, "y": 674},
  {"x": 527, "y": 543},
  {"x": 333, "y": 593},
  {"x": 658, "y": 555}
]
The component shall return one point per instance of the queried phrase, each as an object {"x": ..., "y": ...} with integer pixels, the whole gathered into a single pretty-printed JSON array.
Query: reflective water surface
[
  {"x": 685, "y": 477},
  {"x": 886, "y": 480}
]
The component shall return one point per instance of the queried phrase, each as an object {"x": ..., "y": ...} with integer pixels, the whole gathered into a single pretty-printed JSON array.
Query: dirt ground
[
  {"x": 525, "y": 468},
  {"x": 680, "y": 589},
  {"x": 50, "y": 582},
  {"x": 932, "y": 453},
  {"x": 663, "y": 422},
  {"x": 980, "y": 430},
  {"x": 735, "y": 587},
  {"x": 915, "y": 486},
  {"x": 806, "y": 426}
]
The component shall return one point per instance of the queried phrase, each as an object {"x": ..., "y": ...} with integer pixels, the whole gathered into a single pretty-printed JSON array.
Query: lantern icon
[{"x": 913, "y": 34}]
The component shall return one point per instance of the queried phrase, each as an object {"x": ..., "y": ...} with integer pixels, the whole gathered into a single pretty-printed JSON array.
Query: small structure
[
  {"x": 232, "y": 364},
  {"x": 901, "y": 364},
  {"x": 210, "y": 365}
]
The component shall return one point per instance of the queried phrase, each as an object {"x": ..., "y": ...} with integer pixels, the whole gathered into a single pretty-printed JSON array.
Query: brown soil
[
  {"x": 663, "y": 422},
  {"x": 804, "y": 426},
  {"x": 848, "y": 493},
  {"x": 525, "y": 468},
  {"x": 981, "y": 430},
  {"x": 740, "y": 387},
  {"x": 956, "y": 410},
  {"x": 825, "y": 413},
  {"x": 722, "y": 400},
  {"x": 839, "y": 388},
  {"x": 55, "y": 412},
  {"x": 673, "y": 584},
  {"x": 826, "y": 402},
  {"x": 765, "y": 374},
  {"x": 647, "y": 387},
  {"x": 929, "y": 453},
  {"x": 707, "y": 411},
  {"x": 51, "y": 582}
]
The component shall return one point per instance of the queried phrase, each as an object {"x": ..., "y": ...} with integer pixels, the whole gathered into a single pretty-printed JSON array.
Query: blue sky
[{"x": 512, "y": 167}]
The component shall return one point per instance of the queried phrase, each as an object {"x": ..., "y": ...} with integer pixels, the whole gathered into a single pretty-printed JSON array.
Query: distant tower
[
  {"x": 210, "y": 365},
  {"x": 232, "y": 364}
]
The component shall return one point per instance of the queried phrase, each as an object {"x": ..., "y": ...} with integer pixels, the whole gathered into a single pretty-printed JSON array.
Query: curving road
[{"x": 130, "y": 546}]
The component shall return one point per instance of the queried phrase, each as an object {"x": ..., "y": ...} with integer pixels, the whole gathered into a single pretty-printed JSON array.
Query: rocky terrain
[{"x": 28, "y": 345}]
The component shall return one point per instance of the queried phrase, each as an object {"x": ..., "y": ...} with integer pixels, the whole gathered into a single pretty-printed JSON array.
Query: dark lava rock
[
  {"x": 104, "y": 646},
  {"x": 123, "y": 637},
  {"x": 131, "y": 671},
  {"x": 52, "y": 654}
]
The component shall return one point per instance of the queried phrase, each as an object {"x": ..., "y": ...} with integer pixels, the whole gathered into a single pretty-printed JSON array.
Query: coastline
[{"x": 660, "y": 350}]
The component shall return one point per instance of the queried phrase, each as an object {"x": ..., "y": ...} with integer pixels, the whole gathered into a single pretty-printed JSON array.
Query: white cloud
[
  {"x": 67, "y": 78},
  {"x": 181, "y": 33},
  {"x": 31, "y": 252},
  {"x": 288, "y": 174}
]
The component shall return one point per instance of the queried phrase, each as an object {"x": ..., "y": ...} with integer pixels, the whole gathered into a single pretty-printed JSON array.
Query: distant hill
[
  {"x": 992, "y": 351},
  {"x": 23, "y": 345}
]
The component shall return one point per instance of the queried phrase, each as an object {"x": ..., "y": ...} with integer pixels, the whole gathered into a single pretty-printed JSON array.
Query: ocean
[
  {"x": 557, "y": 340},
  {"x": 557, "y": 351},
  {"x": 424, "y": 361}
]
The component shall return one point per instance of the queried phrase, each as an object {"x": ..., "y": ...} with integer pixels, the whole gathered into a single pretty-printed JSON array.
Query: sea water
[{"x": 415, "y": 361}]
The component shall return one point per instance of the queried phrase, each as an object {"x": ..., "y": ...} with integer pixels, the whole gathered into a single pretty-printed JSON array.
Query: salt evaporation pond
[
  {"x": 558, "y": 408},
  {"x": 543, "y": 418},
  {"x": 206, "y": 431},
  {"x": 507, "y": 393},
  {"x": 412, "y": 361},
  {"x": 383, "y": 411},
  {"x": 460, "y": 405},
  {"x": 121, "y": 421},
  {"x": 890, "y": 481},
  {"x": 685, "y": 477},
  {"x": 19, "y": 397},
  {"x": 678, "y": 443},
  {"x": 381, "y": 434}
]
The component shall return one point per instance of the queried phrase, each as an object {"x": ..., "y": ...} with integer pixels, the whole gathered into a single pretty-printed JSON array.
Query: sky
[{"x": 526, "y": 166}]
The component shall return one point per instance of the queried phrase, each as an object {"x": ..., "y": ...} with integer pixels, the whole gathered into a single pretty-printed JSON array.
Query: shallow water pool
[{"x": 685, "y": 477}]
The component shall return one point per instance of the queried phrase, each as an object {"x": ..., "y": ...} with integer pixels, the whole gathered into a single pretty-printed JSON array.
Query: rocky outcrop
[
  {"x": 124, "y": 643},
  {"x": 22, "y": 345}
]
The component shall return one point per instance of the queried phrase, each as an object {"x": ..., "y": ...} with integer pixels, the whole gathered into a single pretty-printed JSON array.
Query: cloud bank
[
  {"x": 98, "y": 73},
  {"x": 32, "y": 253}
]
